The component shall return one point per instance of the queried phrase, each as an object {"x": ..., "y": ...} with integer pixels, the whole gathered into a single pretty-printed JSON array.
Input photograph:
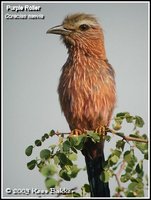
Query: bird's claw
[
  {"x": 102, "y": 130},
  {"x": 76, "y": 132}
]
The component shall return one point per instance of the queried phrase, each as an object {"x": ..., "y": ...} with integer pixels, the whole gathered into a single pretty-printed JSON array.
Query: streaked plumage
[{"x": 87, "y": 86}]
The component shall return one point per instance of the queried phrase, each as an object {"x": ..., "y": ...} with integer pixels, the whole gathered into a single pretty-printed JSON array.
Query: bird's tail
[{"x": 94, "y": 169}]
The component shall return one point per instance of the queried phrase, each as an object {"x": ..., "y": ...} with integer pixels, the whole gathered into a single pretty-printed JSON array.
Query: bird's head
[{"x": 80, "y": 29}]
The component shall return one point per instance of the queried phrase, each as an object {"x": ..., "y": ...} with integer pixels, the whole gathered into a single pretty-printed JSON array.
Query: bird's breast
[{"x": 86, "y": 92}]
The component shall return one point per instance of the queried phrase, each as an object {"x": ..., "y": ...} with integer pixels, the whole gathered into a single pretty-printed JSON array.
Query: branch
[
  {"x": 127, "y": 138},
  {"x": 117, "y": 176}
]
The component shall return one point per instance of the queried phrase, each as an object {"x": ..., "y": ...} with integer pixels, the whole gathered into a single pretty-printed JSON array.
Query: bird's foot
[
  {"x": 76, "y": 132},
  {"x": 102, "y": 130}
]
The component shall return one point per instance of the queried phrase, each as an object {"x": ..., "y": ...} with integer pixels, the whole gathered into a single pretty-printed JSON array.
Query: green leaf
[
  {"x": 139, "y": 167},
  {"x": 140, "y": 193},
  {"x": 129, "y": 194},
  {"x": 60, "y": 140},
  {"x": 56, "y": 160},
  {"x": 145, "y": 136},
  {"x": 129, "y": 168},
  {"x": 81, "y": 141},
  {"x": 45, "y": 154},
  {"x": 114, "y": 159},
  {"x": 105, "y": 176},
  {"x": 73, "y": 194},
  {"x": 74, "y": 150},
  {"x": 63, "y": 159},
  {"x": 129, "y": 119},
  {"x": 74, "y": 171},
  {"x": 51, "y": 133},
  {"x": 77, "y": 141},
  {"x": 73, "y": 156},
  {"x": 135, "y": 186},
  {"x": 73, "y": 140},
  {"x": 48, "y": 170},
  {"x": 29, "y": 150},
  {"x": 125, "y": 177},
  {"x": 50, "y": 183},
  {"x": 117, "y": 126},
  {"x": 94, "y": 136},
  {"x": 127, "y": 156},
  {"x": 63, "y": 174},
  {"x": 66, "y": 146},
  {"x": 117, "y": 152},
  {"x": 146, "y": 156},
  {"x": 42, "y": 138},
  {"x": 143, "y": 147},
  {"x": 120, "y": 144},
  {"x": 122, "y": 114},
  {"x": 107, "y": 138},
  {"x": 46, "y": 135},
  {"x": 120, "y": 134},
  {"x": 38, "y": 143},
  {"x": 53, "y": 146},
  {"x": 136, "y": 134},
  {"x": 40, "y": 164},
  {"x": 115, "y": 167},
  {"x": 139, "y": 122},
  {"x": 130, "y": 158},
  {"x": 134, "y": 179},
  {"x": 106, "y": 164},
  {"x": 31, "y": 165},
  {"x": 118, "y": 120},
  {"x": 86, "y": 188},
  {"x": 131, "y": 163}
]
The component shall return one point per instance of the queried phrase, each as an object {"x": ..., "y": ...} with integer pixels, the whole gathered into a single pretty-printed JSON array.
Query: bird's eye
[{"x": 84, "y": 27}]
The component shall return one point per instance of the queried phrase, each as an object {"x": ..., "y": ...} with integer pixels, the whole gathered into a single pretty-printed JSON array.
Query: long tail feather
[{"x": 94, "y": 170}]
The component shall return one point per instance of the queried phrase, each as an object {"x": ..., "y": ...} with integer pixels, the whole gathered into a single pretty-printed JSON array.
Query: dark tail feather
[{"x": 94, "y": 169}]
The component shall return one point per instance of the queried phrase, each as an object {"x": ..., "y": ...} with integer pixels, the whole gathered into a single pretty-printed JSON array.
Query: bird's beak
[{"x": 60, "y": 30}]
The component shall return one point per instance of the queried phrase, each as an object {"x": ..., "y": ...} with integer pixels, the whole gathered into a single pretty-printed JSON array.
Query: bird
[{"x": 87, "y": 88}]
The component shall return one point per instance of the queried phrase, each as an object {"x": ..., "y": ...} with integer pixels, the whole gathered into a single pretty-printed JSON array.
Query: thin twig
[
  {"x": 117, "y": 177},
  {"x": 127, "y": 138}
]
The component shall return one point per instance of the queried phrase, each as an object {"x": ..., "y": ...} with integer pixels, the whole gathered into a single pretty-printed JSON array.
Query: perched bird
[{"x": 87, "y": 88}]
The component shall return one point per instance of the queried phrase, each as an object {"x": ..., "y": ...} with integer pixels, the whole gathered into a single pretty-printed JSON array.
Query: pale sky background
[{"x": 31, "y": 69}]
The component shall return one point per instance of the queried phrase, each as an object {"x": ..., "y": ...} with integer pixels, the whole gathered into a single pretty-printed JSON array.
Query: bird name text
[
  {"x": 31, "y": 16},
  {"x": 24, "y": 12},
  {"x": 23, "y": 8}
]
